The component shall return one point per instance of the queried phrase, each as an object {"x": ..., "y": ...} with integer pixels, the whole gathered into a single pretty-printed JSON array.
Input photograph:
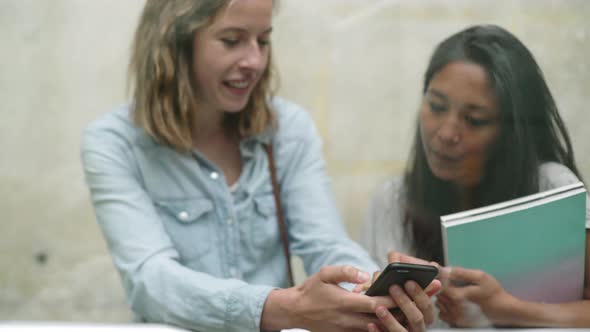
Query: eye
[
  {"x": 230, "y": 42},
  {"x": 437, "y": 107},
  {"x": 475, "y": 122},
  {"x": 263, "y": 42}
]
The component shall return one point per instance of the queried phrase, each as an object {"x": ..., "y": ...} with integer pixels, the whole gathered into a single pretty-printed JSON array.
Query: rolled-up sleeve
[{"x": 158, "y": 287}]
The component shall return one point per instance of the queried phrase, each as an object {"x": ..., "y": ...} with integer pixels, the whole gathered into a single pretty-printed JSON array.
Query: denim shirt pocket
[
  {"x": 264, "y": 231},
  {"x": 189, "y": 225}
]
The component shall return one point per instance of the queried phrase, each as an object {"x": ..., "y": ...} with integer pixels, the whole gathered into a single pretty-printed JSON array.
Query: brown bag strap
[{"x": 280, "y": 220}]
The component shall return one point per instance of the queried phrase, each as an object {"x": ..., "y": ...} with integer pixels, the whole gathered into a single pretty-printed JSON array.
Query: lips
[
  {"x": 445, "y": 157},
  {"x": 239, "y": 87}
]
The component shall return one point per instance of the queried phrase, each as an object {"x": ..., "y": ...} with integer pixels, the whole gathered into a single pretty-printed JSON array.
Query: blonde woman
[{"x": 182, "y": 189}]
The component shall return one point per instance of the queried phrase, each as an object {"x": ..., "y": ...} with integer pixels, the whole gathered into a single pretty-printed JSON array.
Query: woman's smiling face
[{"x": 232, "y": 54}]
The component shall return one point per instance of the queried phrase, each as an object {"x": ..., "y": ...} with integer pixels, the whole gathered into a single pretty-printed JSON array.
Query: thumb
[
  {"x": 394, "y": 256},
  {"x": 343, "y": 273},
  {"x": 468, "y": 276},
  {"x": 434, "y": 287}
]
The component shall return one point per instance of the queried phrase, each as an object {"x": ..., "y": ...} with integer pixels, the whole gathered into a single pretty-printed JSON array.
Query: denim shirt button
[
  {"x": 214, "y": 175},
  {"x": 183, "y": 216}
]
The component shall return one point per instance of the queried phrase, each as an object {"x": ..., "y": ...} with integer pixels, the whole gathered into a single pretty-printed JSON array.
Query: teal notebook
[{"x": 534, "y": 245}]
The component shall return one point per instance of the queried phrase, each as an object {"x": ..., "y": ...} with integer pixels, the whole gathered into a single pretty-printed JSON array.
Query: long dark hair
[{"x": 531, "y": 132}]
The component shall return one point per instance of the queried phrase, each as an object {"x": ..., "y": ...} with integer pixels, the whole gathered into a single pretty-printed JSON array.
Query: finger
[
  {"x": 363, "y": 287},
  {"x": 388, "y": 321},
  {"x": 366, "y": 304},
  {"x": 434, "y": 288},
  {"x": 446, "y": 314},
  {"x": 413, "y": 314},
  {"x": 344, "y": 273},
  {"x": 353, "y": 301},
  {"x": 444, "y": 275},
  {"x": 444, "y": 317},
  {"x": 366, "y": 285},
  {"x": 375, "y": 276},
  {"x": 445, "y": 306},
  {"x": 467, "y": 275},
  {"x": 457, "y": 296},
  {"x": 422, "y": 301},
  {"x": 443, "y": 299},
  {"x": 453, "y": 294},
  {"x": 358, "y": 288},
  {"x": 356, "y": 321},
  {"x": 442, "y": 308},
  {"x": 394, "y": 256},
  {"x": 450, "y": 308},
  {"x": 374, "y": 328}
]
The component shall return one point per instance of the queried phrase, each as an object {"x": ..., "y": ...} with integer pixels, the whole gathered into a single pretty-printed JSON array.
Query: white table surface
[{"x": 18, "y": 326}]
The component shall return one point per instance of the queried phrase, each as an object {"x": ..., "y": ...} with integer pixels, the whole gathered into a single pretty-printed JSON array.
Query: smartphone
[{"x": 398, "y": 274}]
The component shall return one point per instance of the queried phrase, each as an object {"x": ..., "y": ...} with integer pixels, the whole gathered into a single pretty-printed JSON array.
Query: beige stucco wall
[{"x": 355, "y": 64}]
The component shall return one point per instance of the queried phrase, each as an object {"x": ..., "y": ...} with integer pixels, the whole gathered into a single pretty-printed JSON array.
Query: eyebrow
[
  {"x": 237, "y": 29},
  {"x": 438, "y": 94},
  {"x": 469, "y": 106}
]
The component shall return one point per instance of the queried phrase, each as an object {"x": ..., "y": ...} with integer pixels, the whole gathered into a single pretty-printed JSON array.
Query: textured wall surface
[{"x": 356, "y": 65}]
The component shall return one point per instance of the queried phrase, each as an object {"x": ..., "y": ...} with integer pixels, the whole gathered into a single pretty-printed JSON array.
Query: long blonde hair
[{"x": 160, "y": 73}]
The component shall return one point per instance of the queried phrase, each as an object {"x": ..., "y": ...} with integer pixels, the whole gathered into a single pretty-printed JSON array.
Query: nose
[
  {"x": 254, "y": 57},
  {"x": 449, "y": 131}
]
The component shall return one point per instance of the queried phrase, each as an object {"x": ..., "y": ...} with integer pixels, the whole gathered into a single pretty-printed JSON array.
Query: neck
[
  {"x": 207, "y": 125},
  {"x": 466, "y": 196}
]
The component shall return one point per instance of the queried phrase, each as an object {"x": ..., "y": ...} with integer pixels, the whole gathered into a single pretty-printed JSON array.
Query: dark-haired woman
[{"x": 488, "y": 131}]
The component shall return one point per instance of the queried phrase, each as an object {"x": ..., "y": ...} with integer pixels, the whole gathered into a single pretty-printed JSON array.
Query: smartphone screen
[{"x": 399, "y": 274}]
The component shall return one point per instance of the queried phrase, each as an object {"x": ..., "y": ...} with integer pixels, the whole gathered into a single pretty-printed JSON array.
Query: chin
[
  {"x": 234, "y": 108},
  {"x": 442, "y": 174}
]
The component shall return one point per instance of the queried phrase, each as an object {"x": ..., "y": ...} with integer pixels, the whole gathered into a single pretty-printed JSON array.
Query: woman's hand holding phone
[
  {"x": 320, "y": 304},
  {"x": 415, "y": 309},
  {"x": 397, "y": 257}
]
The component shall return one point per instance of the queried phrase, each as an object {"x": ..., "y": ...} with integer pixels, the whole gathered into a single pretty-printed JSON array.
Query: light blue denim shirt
[{"x": 190, "y": 251}]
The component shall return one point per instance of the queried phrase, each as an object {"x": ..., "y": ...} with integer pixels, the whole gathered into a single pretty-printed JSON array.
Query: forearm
[
  {"x": 163, "y": 291},
  {"x": 534, "y": 314}
]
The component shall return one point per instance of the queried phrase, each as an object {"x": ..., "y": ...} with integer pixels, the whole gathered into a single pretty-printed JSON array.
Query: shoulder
[
  {"x": 388, "y": 193},
  {"x": 293, "y": 121},
  {"x": 114, "y": 128},
  {"x": 553, "y": 174},
  {"x": 386, "y": 201},
  {"x": 383, "y": 230}
]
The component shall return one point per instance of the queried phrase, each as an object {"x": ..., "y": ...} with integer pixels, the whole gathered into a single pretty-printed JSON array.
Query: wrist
[
  {"x": 512, "y": 311},
  {"x": 277, "y": 311}
]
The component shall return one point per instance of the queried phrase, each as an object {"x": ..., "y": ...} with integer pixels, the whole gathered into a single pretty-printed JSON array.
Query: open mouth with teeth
[{"x": 238, "y": 84}]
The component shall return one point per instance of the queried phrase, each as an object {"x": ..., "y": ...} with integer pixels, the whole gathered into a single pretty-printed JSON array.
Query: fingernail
[
  {"x": 446, "y": 270},
  {"x": 381, "y": 312},
  {"x": 363, "y": 277},
  {"x": 410, "y": 286}
]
